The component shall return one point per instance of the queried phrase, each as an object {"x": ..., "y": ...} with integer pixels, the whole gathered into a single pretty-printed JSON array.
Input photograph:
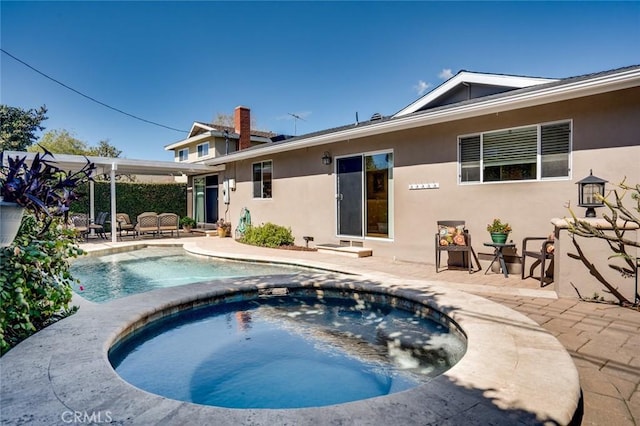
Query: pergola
[{"x": 120, "y": 166}]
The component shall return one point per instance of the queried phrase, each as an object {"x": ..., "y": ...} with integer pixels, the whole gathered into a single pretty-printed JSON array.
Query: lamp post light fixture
[
  {"x": 326, "y": 158},
  {"x": 591, "y": 193}
]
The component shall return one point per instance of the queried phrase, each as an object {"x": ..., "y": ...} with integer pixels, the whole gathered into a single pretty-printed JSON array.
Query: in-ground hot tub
[
  {"x": 513, "y": 371},
  {"x": 290, "y": 347}
]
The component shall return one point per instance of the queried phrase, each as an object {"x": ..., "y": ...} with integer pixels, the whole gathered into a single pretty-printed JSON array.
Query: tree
[
  {"x": 18, "y": 127},
  {"x": 619, "y": 244},
  {"x": 64, "y": 142},
  {"x": 60, "y": 142},
  {"x": 228, "y": 120},
  {"x": 105, "y": 149}
]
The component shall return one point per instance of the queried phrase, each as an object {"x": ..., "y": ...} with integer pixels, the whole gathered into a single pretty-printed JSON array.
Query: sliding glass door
[{"x": 364, "y": 195}]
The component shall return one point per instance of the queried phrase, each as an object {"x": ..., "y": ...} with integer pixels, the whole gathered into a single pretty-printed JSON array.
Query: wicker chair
[
  {"x": 147, "y": 223},
  {"x": 125, "y": 225},
  {"x": 452, "y": 236},
  {"x": 169, "y": 222},
  {"x": 80, "y": 224}
]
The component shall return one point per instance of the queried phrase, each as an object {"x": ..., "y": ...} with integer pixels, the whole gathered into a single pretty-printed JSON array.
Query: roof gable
[{"x": 467, "y": 85}]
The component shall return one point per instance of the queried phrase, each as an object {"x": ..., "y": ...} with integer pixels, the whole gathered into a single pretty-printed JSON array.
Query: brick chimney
[{"x": 242, "y": 123}]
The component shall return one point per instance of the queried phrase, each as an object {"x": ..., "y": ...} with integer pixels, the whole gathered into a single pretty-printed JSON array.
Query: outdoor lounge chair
[
  {"x": 168, "y": 222},
  {"x": 124, "y": 224},
  {"x": 542, "y": 254},
  {"x": 452, "y": 236},
  {"x": 147, "y": 223}
]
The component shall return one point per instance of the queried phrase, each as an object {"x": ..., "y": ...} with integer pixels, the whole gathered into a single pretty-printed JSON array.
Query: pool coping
[{"x": 513, "y": 371}]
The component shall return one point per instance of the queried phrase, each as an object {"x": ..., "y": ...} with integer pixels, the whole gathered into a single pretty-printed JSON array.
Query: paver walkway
[{"x": 603, "y": 339}]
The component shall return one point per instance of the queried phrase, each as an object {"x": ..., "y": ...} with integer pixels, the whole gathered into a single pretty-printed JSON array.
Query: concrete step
[{"x": 349, "y": 251}]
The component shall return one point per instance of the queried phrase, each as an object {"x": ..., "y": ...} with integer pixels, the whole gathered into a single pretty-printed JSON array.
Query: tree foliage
[
  {"x": 64, "y": 142},
  {"x": 620, "y": 214},
  {"x": 105, "y": 149},
  {"x": 60, "y": 142},
  {"x": 18, "y": 127}
]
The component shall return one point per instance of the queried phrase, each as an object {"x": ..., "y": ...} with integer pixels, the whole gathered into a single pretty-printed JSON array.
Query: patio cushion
[{"x": 450, "y": 235}]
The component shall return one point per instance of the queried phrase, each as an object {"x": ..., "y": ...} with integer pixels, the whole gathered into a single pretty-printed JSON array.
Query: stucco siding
[{"x": 605, "y": 139}]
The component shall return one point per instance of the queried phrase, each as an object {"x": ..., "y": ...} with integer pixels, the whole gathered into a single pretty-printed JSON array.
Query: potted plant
[
  {"x": 224, "y": 228},
  {"x": 187, "y": 223},
  {"x": 40, "y": 187},
  {"x": 499, "y": 231}
]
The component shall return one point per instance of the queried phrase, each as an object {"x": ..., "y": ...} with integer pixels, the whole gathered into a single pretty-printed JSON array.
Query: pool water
[
  {"x": 286, "y": 352},
  {"x": 103, "y": 278}
]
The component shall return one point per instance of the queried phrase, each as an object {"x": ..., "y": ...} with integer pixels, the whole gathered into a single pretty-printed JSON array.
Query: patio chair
[
  {"x": 543, "y": 253},
  {"x": 452, "y": 236},
  {"x": 168, "y": 222},
  {"x": 80, "y": 224},
  {"x": 98, "y": 225},
  {"x": 147, "y": 223},
  {"x": 124, "y": 224}
]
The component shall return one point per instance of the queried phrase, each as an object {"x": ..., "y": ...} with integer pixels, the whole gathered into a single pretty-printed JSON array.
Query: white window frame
[
  {"x": 262, "y": 182},
  {"x": 183, "y": 154},
  {"x": 538, "y": 177},
  {"x": 201, "y": 148}
]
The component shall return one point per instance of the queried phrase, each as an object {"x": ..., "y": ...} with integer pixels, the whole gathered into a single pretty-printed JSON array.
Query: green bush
[
  {"x": 268, "y": 235},
  {"x": 35, "y": 283}
]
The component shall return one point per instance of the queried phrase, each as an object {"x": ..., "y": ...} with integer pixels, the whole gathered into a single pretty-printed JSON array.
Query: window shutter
[
  {"x": 470, "y": 159},
  {"x": 470, "y": 149},
  {"x": 555, "y": 139},
  {"x": 554, "y": 149},
  {"x": 515, "y": 146}
]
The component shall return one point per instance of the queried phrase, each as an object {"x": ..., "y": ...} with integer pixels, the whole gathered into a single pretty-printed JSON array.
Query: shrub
[
  {"x": 35, "y": 281},
  {"x": 135, "y": 198},
  {"x": 268, "y": 235}
]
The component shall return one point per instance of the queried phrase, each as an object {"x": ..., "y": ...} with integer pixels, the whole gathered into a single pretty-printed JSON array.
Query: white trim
[
  {"x": 463, "y": 77},
  {"x": 538, "y": 177},
  {"x": 363, "y": 197},
  {"x": 253, "y": 197},
  {"x": 124, "y": 166},
  {"x": 198, "y": 150},
  {"x": 186, "y": 157},
  {"x": 581, "y": 88},
  {"x": 188, "y": 141}
]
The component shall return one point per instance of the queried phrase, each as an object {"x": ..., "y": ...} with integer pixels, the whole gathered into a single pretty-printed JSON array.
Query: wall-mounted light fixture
[
  {"x": 326, "y": 158},
  {"x": 591, "y": 193}
]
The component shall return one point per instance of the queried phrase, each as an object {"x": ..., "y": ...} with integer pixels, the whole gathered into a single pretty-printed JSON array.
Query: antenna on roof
[
  {"x": 357, "y": 121},
  {"x": 295, "y": 122}
]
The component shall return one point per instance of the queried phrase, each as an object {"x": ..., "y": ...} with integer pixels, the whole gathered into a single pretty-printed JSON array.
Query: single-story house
[{"x": 478, "y": 147}]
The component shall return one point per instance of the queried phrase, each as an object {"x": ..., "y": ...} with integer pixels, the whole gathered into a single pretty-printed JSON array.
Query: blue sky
[{"x": 178, "y": 62}]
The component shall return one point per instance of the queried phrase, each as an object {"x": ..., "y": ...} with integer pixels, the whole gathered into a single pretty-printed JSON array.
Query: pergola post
[
  {"x": 92, "y": 206},
  {"x": 114, "y": 222}
]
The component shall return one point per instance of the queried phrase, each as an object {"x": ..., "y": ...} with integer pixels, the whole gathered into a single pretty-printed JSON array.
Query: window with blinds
[{"x": 524, "y": 153}]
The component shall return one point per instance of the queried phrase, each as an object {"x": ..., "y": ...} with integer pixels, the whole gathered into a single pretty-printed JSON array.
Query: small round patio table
[{"x": 499, "y": 256}]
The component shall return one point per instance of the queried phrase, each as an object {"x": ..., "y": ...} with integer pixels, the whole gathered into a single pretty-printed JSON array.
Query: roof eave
[
  {"x": 516, "y": 82},
  {"x": 582, "y": 88}
]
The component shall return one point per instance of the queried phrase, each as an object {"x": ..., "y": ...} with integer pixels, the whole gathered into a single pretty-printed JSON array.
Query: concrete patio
[{"x": 602, "y": 339}]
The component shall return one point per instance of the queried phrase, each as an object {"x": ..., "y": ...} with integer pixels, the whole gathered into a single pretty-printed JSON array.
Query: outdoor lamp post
[
  {"x": 588, "y": 190},
  {"x": 326, "y": 158}
]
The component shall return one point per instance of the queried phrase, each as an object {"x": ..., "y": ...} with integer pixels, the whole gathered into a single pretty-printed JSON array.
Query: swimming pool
[
  {"x": 111, "y": 276},
  {"x": 290, "y": 349}
]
